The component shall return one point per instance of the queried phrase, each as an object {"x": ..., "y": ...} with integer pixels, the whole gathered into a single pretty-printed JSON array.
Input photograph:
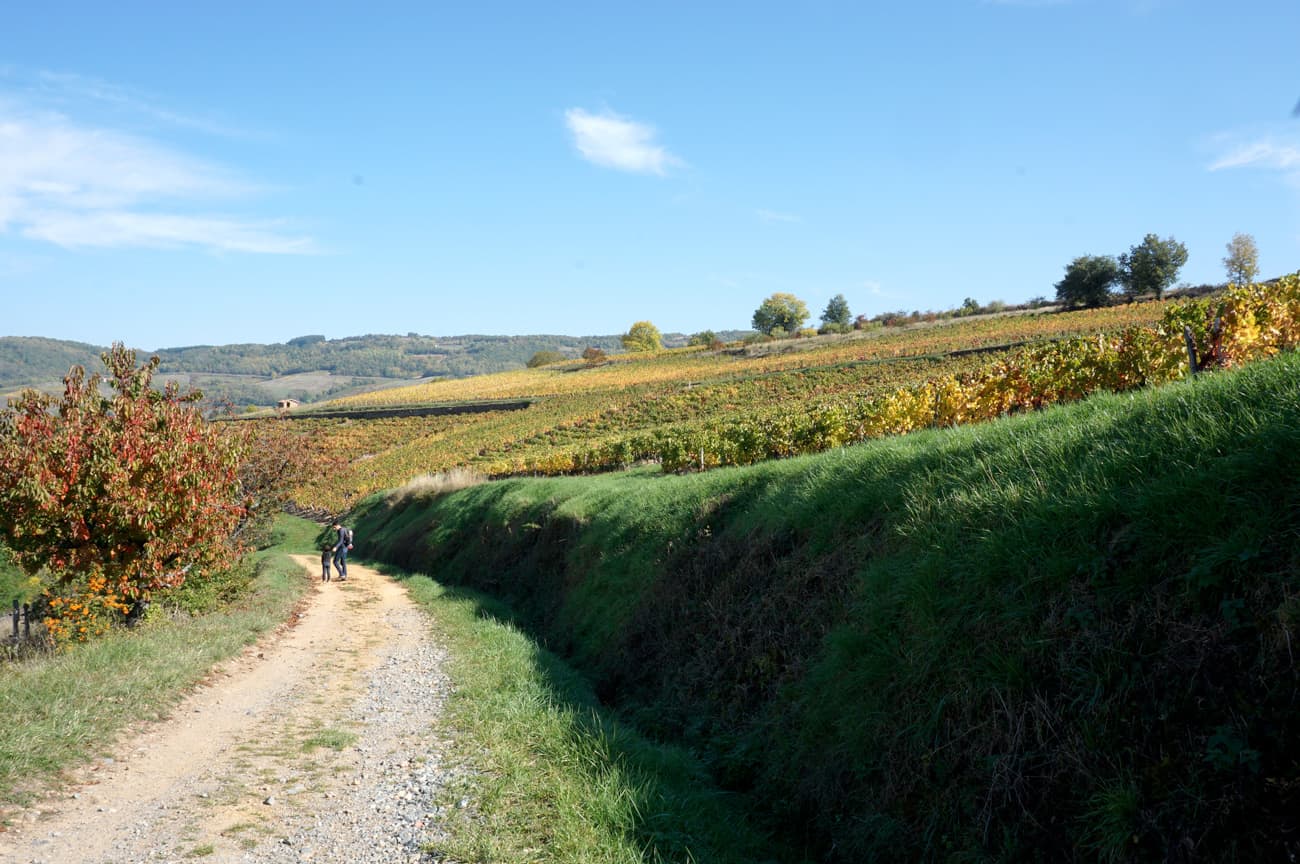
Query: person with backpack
[{"x": 341, "y": 549}]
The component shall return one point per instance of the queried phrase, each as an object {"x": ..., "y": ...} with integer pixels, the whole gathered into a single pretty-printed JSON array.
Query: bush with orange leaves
[{"x": 113, "y": 498}]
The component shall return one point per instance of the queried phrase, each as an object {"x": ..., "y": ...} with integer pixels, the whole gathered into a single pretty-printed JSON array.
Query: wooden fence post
[{"x": 1191, "y": 347}]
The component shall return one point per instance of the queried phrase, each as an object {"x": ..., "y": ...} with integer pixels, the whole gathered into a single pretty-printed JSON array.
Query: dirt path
[{"x": 320, "y": 746}]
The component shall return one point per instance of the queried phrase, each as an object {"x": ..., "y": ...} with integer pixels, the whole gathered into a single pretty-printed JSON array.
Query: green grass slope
[{"x": 1065, "y": 636}]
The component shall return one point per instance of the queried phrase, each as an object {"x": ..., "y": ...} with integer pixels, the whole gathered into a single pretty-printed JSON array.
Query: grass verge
[
  {"x": 63, "y": 709},
  {"x": 557, "y": 780}
]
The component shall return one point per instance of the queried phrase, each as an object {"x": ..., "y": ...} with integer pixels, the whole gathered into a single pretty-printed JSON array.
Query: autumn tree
[
  {"x": 1242, "y": 261},
  {"x": 277, "y": 459},
  {"x": 780, "y": 311},
  {"x": 836, "y": 317},
  {"x": 113, "y": 498},
  {"x": 1088, "y": 280},
  {"x": 593, "y": 355},
  {"x": 1152, "y": 265},
  {"x": 643, "y": 336}
]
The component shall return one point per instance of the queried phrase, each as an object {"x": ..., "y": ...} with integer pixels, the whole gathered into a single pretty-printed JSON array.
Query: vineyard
[{"x": 695, "y": 408}]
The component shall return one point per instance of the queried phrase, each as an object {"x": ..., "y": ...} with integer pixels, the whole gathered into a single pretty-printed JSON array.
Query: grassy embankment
[
  {"x": 556, "y": 778},
  {"x": 1068, "y": 634},
  {"x": 60, "y": 710}
]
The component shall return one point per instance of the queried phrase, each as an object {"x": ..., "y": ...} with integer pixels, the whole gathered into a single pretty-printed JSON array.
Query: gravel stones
[{"x": 377, "y": 791}]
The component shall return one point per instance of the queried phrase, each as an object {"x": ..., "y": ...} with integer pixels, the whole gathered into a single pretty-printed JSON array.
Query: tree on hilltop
[
  {"x": 1242, "y": 262},
  {"x": 1088, "y": 280},
  {"x": 707, "y": 339},
  {"x": 780, "y": 312},
  {"x": 1152, "y": 265},
  {"x": 643, "y": 336},
  {"x": 544, "y": 358},
  {"x": 836, "y": 317}
]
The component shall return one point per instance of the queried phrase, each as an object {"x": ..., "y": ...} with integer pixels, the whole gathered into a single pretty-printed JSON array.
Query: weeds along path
[{"x": 318, "y": 746}]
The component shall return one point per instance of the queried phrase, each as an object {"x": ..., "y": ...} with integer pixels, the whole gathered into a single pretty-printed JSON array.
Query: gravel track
[{"x": 320, "y": 745}]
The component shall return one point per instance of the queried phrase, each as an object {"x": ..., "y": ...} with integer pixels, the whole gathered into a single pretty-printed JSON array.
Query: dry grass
[{"x": 427, "y": 486}]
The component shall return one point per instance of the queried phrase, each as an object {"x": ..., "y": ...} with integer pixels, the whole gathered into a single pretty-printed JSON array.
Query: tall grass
[
  {"x": 426, "y": 486},
  {"x": 1068, "y": 634},
  {"x": 556, "y": 778},
  {"x": 62, "y": 709}
]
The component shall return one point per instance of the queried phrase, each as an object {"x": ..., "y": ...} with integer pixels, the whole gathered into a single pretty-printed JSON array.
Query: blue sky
[{"x": 185, "y": 173}]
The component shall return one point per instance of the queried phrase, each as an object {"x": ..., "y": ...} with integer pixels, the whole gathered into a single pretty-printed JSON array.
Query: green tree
[
  {"x": 1088, "y": 281},
  {"x": 643, "y": 336},
  {"x": 1152, "y": 265},
  {"x": 707, "y": 338},
  {"x": 783, "y": 312},
  {"x": 836, "y": 317},
  {"x": 114, "y": 498},
  {"x": 544, "y": 358},
  {"x": 1242, "y": 262}
]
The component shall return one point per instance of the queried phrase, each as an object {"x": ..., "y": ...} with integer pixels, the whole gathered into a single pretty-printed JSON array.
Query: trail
[{"x": 319, "y": 745}]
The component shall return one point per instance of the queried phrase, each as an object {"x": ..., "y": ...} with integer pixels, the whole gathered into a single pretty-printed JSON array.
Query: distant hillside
[
  {"x": 305, "y": 368},
  {"x": 377, "y": 356},
  {"x": 32, "y": 360}
]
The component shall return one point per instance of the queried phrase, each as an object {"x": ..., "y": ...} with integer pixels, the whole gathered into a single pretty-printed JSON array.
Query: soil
[{"x": 319, "y": 744}]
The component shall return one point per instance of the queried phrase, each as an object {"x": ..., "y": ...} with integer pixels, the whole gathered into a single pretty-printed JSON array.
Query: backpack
[{"x": 347, "y": 537}]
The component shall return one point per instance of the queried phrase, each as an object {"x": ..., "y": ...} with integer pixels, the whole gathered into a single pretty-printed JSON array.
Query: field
[{"x": 581, "y": 409}]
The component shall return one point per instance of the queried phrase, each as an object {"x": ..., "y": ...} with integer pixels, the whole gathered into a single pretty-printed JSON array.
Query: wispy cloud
[
  {"x": 1263, "y": 153},
  {"x": 876, "y": 289},
  {"x": 616, "y": 142},
  {"x": 775, "y": 216},
  {"x": 81, "y": 186},
  {"x": 110, "y": 228},
  {"x": 63, "y": 87}
]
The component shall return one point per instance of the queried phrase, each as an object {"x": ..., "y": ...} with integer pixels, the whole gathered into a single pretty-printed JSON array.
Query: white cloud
[
  {"x": 775, "y": 216},
  {"x": 80, "y": 186},
  {"x": 1265, "y": 153},
  {"x": 64, "y": 87},
  {"x": 108, "y": 228},
  {"x": 877, "y": 289},
  {"x": 615, "y": 142}
]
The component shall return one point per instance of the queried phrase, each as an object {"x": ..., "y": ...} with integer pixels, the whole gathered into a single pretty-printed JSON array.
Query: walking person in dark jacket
[
  {"x": 326, "y": 558},
  {"x": 341, "y": 548}
]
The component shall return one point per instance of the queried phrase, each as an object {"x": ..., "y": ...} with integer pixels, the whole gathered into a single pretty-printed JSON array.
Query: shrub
[
  {"x": 115, "y": 498},
  {"x": 545, "y": 358}
]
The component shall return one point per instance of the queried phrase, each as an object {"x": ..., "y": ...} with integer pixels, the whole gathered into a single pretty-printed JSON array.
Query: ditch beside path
[{"x": 318, "y": 745}]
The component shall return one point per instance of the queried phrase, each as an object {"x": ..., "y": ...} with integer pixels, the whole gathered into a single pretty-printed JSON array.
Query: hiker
[
  {"x": 326, "y": 558},
  {"x": 341, "y": 550}
]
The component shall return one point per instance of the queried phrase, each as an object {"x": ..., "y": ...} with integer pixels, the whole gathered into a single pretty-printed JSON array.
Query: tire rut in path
[{"x": 319, "y": 746}]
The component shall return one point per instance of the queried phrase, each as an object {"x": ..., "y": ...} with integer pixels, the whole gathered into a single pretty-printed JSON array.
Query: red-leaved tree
[{"x": 112, "y": 498}]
